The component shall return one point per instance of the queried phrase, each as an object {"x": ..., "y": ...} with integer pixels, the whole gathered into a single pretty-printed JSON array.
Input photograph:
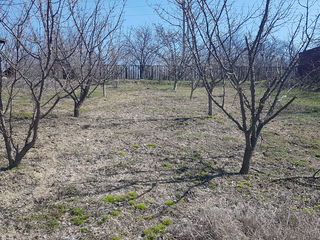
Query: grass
[
  {"x": 154, "y": 231},
  {"x": 109, "y": 192},
  {"x": 111, "y": 199},
  {"x": 78, "y": 220},
  {"x": 115, "y": 213},
  {"x": 169, "y": 203},
  {"x": 141, "y": 206}
]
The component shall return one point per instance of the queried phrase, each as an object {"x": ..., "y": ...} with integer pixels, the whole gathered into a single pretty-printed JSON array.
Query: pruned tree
[
  {"x": 175, "y": 40},
  {"x": 141, "y": 47},
  {"x": 26, "y": 94},
  {"x": 109, "y": 68},
  {"x": 172, "y": 53},
  {"x": 234, "y": 42},
  {"x": 93, "y": 29}
]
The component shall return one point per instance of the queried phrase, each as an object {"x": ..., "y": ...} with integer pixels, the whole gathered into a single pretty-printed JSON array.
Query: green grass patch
[
  {"x": 79, "y": 219},
  {"x": 103, "y": 220},
  {"x": 115, "y": 238},
  {"x": 115, "y": 213},
  {"x": 77, "y": 211},
  {"x": 84, "y": 230},
  {"x": 167, "y": 221},
  {"x": 111, "y": 199},
  {"x": 169, "y": 203},
  {"x": 154, "y": 231},
  {"x": 151, "y": 145},
  {"x": 168, "y": 165},
  {"x": 141, "y": 206}
]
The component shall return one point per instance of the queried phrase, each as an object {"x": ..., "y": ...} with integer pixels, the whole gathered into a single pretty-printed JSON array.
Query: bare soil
[{"x": 157, "y": 156}]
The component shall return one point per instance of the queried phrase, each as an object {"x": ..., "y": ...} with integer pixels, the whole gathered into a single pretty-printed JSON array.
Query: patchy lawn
[{"x": 147, "y": 163}]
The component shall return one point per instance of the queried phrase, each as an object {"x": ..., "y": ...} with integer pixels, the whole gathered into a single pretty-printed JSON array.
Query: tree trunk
[
  {"x": 104, "y": 89},
  {"x": 76, "y": 110},
  {"x": 251, "y": 141},
  {"x": 248, "y": 152},
  {"x": 191, "y": 93},
  {"x": 210, "y": 104},
  {"x": 175, "y": 85}
]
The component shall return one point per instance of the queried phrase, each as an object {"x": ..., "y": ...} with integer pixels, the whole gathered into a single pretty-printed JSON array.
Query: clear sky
[{"x": 140, "y": 12}]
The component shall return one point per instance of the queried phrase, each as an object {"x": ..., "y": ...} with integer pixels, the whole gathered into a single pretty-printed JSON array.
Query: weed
[
  {"x": 103, "y": 220},
  {"x": 130, "y": 195},
  {"x": 297, "y": 198},
  {"x": 141, "y": 206},
  {"x": 132, "y": 202},
  {"x": 212, "y": 185},
  {"x": 79, "y": 220},
  {"x": 77, "y": 211},
  {"x": 52, "y": 224},
  {"x": 115, "y": 238},
  {"x": 299, "y": 163},
  {"x": 150, "y": 201},
  {"x": 239, "y": 185},
  {"x": 167, "y": 221},
  {"x": 121, "y": 153},
  {"x": 169, "y": 203},
  {"x": 135, "y": 145},
  {"x": 167, "y": 165},
  {"x": 61, "y": 207},
  {"x": 148, "y": 217},
  {"x": 151, "y": 145},
  {"x": 247, "y": 183},
  {"x": 116, "y": 213},
  {"x": 111, "y": 199},
  {"x": 152, "y": 232},
  {"x": 308, "y": 210},
  {"x": 84, "y": 230},
  {"x": 58, "y": 211}
]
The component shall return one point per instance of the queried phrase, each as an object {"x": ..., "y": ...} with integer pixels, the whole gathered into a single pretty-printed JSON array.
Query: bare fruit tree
[
  {"x": 171, "y": 53},
  {"x": 93, "y": 29},
  {"x": 173, "y": 13},
  {"x": 141, "y": 48},
  {"x": 26, "y": 92},
  {"x": 234, "y": 42}
]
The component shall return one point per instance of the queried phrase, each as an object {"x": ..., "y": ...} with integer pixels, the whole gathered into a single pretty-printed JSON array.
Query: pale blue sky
[{"x": 140, "y": 12}]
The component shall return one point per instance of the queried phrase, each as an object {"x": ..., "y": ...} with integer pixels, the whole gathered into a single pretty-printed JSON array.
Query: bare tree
[
  {"x": 31, "y": 54},
  {"x": 174, "y": 14},
  {"x": 93, "y": 30},
  {"x": 109, "y": 68},
  {"x": 234, "y": 44},
  {"x": 172, "y": 54},
  {"x": 141, "y": 47}
]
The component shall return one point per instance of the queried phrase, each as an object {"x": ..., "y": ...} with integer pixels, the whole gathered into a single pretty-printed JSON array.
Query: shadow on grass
[{"x": 199, "y": 175}]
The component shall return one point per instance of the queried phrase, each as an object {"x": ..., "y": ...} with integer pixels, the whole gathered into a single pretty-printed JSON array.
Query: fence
[{"x": 161, "y": 72}]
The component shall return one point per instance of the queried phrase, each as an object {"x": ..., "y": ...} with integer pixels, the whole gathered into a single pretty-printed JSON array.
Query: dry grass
[{"x": 145, "y": 156}]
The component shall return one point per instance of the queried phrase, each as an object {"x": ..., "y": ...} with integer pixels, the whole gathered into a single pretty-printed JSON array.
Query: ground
[{"x": 147, "y": 163}]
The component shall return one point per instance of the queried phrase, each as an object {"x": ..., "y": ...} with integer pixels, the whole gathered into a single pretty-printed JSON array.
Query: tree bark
[
  {"x": 248, "y": 152},
  {"x": 104, "y": 89},
  {"x": 175, "y": 85},
  {"x": 76, "y": 110},
  {"x": 251, "y": 141},
  {"x": 210, "y": 103}
]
